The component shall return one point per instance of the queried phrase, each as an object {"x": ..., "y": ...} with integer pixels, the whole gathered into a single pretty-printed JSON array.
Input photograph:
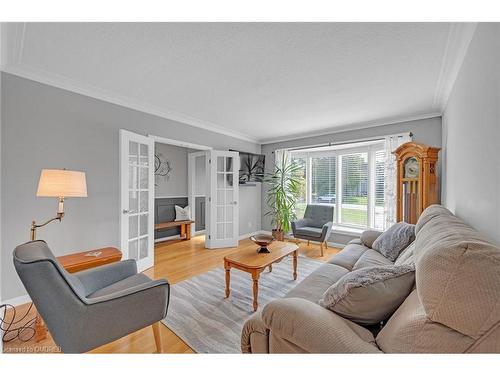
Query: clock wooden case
[{"x": 417, "y": 180}]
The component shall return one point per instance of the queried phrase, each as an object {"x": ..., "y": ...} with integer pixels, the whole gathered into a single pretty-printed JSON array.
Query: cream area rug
[{"x": 209, "y": 323}]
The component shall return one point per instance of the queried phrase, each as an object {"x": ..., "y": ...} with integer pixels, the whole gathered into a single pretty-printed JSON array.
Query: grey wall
[
  {"x": 250, "y": 198},
  {"x": 46, "y": 127},
  {"x": 200, "y": 176},
  {"x": 176, "y": 184},
  {"x": 426, "y": 131},
  {"x": 471, "y": 135}
]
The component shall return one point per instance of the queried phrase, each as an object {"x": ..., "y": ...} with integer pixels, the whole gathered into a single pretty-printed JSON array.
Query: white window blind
[
  {"x": 379, "y": 216},
  {"x": 354, "y": 177},
  {"x": 323, "y": 176}
]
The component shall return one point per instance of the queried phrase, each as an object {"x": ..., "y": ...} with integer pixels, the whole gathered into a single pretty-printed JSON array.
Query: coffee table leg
[
  {"x": 295, "y": 255},
  {"x": 255, "y": 279},
  {"x": 227, "y": 267}
]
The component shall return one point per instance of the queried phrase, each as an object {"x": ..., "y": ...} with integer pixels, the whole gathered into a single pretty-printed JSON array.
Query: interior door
[
  {"x": 222, "y": 208},
  {"x": 137, "y": 198}
]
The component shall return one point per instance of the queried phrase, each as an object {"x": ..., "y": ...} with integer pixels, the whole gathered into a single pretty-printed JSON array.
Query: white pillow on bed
[{"x": 182, "y": 214}]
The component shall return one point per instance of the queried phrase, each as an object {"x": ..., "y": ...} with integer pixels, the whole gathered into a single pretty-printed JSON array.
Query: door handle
[
  {"x": 234, "y": 203},
  {"x": 125, "y": 211}
]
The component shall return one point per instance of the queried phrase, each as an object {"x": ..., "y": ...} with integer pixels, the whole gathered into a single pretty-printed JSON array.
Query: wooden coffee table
[{"x": 248, "y": 260}]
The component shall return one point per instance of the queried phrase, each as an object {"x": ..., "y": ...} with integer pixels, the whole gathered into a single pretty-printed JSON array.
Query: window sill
[{"x": 347, "y": 230}]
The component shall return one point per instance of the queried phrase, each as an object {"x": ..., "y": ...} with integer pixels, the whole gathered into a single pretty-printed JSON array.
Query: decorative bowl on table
[{"x": 263, "y": 240}]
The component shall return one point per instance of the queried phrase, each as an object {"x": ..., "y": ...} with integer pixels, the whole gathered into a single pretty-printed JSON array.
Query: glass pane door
[
  {"x": 223, "y": 202},
  {"x": 137, "y": 207}
]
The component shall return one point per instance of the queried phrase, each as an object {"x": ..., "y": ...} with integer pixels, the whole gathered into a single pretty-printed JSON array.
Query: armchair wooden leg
[
  {"x": 321, "y": 247},
  {"x": 326, "y": 244},
  {"x": 307, "y": 242},
  {"x": 157, "y": 335}
]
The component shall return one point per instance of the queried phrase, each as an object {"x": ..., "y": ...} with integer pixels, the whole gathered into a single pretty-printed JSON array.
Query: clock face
[{"x": 411, "y": 168}]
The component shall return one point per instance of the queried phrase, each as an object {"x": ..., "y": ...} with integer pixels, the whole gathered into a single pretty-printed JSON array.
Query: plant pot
[{"x": 278, "y": 235}]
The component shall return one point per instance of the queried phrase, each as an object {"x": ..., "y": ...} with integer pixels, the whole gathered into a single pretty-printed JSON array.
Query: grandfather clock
[{"x": 417, "y": 180}]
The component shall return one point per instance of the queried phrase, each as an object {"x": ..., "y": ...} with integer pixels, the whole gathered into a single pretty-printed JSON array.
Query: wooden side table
[{"x": 78, "y": 262}]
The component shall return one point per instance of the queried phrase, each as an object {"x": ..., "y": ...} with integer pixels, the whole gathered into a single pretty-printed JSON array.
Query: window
[{"x": 349, "y": 177}]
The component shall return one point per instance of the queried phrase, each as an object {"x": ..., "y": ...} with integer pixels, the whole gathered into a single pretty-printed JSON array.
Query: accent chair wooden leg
[
  {"x": 307, "y": 242},
  {"x": 321, "y": 247},
  {"x": 157, "y": 335},
  {"x": 326, "y": 245}
]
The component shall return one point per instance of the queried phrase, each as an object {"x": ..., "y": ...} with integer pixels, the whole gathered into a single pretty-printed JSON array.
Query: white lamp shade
[{"x": 61, "y": 183}]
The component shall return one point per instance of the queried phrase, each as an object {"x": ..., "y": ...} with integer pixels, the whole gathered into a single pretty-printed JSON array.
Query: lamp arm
[{"x": 34, "y": 225}]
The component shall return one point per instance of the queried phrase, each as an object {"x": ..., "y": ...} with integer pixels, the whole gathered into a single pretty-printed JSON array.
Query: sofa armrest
[
  {"x": 299, "y": 224},
  {"x": 160, "y": 283},
  {"x": 314, "y": 328},
  {"x": 369, "y": 236},
  {"x": 100, "y": 277},
  {"x": 255, "y": 336}
]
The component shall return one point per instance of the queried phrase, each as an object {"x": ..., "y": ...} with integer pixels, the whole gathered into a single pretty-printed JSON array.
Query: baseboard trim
[
  {"x": 16, "y": 301},
  {"x": 162, "y": 239}
]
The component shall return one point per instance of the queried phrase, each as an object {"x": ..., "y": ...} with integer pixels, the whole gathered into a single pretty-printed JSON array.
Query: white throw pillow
[{"x": 182, "y": 214}]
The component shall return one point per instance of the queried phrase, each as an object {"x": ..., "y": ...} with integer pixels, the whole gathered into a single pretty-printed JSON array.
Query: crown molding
[
  {"x": 355, "y": 126},
  {"x": 38, "y": 75},
  {"x": 459, "y": 38}
]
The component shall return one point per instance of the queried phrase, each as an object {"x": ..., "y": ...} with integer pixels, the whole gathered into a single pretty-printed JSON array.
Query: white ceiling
[{"x": 256, "y": 81}]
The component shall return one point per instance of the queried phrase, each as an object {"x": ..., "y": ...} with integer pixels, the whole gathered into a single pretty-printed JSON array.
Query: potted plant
[{"x": 284, "y": 185}]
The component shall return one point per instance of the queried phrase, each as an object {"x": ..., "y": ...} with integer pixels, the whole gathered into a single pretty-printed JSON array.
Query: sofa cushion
[
  {"x": 406, "y": 256},
  {"x": 457, "y": 273},
  {"x": 410, "y": 331},
  {"x": 370, "y": 295},
  {"x": 309, "y": 231},
  {"x": 348, "y": 256},
  {"x": 314, "y": 285},
  {"x": 369, "y": 236},
  {"x": 394, "y": 240},
  {"x": 371, "y": 258}
]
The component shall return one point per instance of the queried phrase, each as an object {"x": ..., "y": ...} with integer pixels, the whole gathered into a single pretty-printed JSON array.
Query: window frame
[{"x": 370, "y": 148}]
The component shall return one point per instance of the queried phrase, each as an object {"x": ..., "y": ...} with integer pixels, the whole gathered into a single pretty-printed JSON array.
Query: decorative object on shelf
[
  {"x": 59, "y": 183},
  {"x": 283, "y": 190},
  {"x": 417, "y": 180},
  {"x": 263, "y": 240},
  {"x": 163, "y": 167}
]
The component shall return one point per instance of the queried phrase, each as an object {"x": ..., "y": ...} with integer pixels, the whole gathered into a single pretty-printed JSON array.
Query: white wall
[
  {"x": 176, "y": 184},
  {"x": 47, "y": 127},
  {"x": 471, "y": 135}
]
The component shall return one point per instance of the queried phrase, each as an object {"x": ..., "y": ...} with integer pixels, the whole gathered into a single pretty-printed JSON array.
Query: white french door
[
  {"x": 222, "y": 208},
  {"x": 137, "y": 198}
]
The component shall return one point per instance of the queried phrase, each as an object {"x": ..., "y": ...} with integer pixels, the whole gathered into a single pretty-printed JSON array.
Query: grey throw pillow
[
  {"x": 394, "y": 240},
  {"x": 370, "y": 295}
]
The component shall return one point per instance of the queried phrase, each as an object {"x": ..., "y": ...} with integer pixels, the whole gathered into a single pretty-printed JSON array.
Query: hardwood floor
[{"x": 176, "y": 261}]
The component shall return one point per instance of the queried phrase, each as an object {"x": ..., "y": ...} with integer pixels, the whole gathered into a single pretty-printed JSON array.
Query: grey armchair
[
  {"x": 87, "y": 309},
  {"x": 315, "y": 226}
]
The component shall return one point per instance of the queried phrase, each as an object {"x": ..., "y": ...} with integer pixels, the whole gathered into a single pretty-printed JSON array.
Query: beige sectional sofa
[{"x": 454, "y": 308}]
